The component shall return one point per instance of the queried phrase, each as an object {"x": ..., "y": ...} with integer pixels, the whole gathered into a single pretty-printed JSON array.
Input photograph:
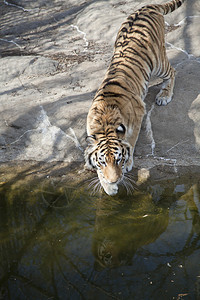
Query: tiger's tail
[{"x": 169, "y": 6}]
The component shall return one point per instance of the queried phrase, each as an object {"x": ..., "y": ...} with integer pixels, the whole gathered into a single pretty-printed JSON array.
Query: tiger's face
[{"x": 111, "y": 156}]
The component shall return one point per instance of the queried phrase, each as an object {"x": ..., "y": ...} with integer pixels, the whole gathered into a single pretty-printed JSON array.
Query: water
[{"x": 60, "y": 242}]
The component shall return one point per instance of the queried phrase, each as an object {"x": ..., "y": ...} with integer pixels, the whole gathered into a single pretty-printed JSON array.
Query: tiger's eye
[{"x": 121, "y": 129}]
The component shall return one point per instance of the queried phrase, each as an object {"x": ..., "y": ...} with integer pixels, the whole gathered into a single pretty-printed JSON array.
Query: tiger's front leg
[
  {"x": 129, "y": 162},
  {"x": 133, "y": 134},
  {"x": 166, "y": 92}
]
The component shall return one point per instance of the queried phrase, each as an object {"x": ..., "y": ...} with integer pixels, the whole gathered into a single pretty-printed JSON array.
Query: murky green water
[{"x": 58, "y": 242}]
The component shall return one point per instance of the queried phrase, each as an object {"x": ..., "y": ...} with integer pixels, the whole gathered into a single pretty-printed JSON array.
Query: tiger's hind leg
[{"x": 166, "y": 92}]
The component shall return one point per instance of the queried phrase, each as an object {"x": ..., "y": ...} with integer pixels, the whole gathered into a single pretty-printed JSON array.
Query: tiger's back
[{"x": 115, "y": 117}]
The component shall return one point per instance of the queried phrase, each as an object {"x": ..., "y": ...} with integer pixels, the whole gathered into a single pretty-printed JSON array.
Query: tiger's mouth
[{"x": 110, "y": 188}]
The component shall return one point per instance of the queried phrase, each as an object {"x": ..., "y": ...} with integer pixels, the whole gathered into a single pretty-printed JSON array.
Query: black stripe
[
  {"x": 132, "y": 59},
  {"x": 114, "y": 63},
  {"x": 168, "y": 8},
  {"x": 98, "y": 100},
  {"x": 138, "y": 42},
  {"x": 109, "y": 131},
  {"x": 114, "y": 82},
  {"x": 114, "y": 95},
  {"x": 89, "y": 159},
  {"x": 151, "y": 7},
  {"x": 134, "y": 17},
  {"x": 148, "y": 30},
  {"x": 150, "y": 64},
  {"x": 115, "y": 148},
  {"x": 149, "y": 15},
  {"x": 153, "y": 36},
  {"x": 112, "y": 72},
  {"x": 141, "y": 69},
  {"x": 179, "y": 3},
  {"x": 98, "y": 122},
  {"x": 124, "y": 29},
  {"x": 121, "y": 44},
  {"x": 166, "y": 73},
  {"x": 144, "y": 73},
  {"x": 135, "y": 73},
  {"x": 138, "y": 31},
  {"x": 101, "y": 146},
  {"x": 141, "y": 45},
  {"x": 111, "y": 95},
  {"x": 135, "y": 60},
  {"x": 141, "y": 25},
  {"x": 98, "y": 110},
  {"x": 112, "y": 139},
  {"x": 146, "y": 20},
  {"x": 154, "y": 52},
  {"x": 154, "y": 21},
  {"x": 150, "y": 61}
]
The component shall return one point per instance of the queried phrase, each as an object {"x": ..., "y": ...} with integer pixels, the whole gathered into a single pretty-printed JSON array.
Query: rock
[
  {"x": 143, "y": 175},
  {"x": 54, "y": 58}
]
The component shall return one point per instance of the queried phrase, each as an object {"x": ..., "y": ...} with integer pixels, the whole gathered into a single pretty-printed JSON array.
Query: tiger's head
[{"x": 110, "y": 155}]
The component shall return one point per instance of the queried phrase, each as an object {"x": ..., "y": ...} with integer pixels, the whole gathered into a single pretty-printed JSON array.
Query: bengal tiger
[{"x": 115, "y": 116}]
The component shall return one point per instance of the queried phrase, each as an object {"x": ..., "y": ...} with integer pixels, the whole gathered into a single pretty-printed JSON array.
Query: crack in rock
[
  {"x": 180, "y": 49},
  {"x": 177, "y": 144},
  {"x": 21, "y": 136},
  {"x": 84, "y": 36},
  {"x": 45, "y": 124},
  {"x": 17, "y": 6},
  {"x": 183, "y": 21},
  {"x": 172, "y": 46},
  {"x": 7, "y": 41},
  {"x": 168, "y": 161},
  {"x": 47, "y": 142},
  {"x": 149, "y": 131}
]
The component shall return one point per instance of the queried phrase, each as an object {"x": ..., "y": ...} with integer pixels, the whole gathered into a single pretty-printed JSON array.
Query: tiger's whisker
[
  {"x": 89, "y": 179},
  {"x": 95, "y": 180},
  {"x": 132, "y": 182},
  {"x": 132, "y": 189},
  {"x": 96, "y": 187},
  {"x": 130, "y": 176},
  {"x": 126, "y": 186}
]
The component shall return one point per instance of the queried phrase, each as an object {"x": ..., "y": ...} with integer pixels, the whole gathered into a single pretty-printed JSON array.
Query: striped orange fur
[{"x": 115, "y": 117}]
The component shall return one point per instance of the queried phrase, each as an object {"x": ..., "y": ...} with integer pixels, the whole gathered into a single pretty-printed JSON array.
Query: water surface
[{"x": 60, "y": 242}]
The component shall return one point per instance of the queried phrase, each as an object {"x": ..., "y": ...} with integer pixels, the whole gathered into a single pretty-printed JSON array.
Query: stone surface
[{"x": 53, "y": 58}]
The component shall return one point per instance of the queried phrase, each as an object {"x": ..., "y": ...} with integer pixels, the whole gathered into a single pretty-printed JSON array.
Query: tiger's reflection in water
[{"x": 122, "y": 227}]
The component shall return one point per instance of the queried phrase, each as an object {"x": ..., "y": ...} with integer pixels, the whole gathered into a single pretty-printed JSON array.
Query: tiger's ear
[
  {"x": 121, "y": 129},
  {"x": 90, "y": 139}
]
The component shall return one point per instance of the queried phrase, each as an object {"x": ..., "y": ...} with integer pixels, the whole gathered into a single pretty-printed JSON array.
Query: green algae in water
[{"x": 59, "y": 242}]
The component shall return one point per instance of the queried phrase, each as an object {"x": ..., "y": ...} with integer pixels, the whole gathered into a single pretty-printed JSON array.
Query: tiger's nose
[
  {"x": 112, "y": 175},
  {"x": 114, "y": 179}
]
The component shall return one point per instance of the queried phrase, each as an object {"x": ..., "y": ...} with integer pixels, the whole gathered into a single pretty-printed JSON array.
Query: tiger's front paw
[
  {"x": 163, "y": 98},
  {"x": 129, "y": 165}
]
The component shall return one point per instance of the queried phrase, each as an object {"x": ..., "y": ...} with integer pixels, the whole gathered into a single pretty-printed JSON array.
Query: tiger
[{"x": 115, "y": 116}]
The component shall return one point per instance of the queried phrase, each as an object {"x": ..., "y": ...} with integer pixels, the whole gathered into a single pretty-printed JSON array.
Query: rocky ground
[{"x": 53, "y": 56}]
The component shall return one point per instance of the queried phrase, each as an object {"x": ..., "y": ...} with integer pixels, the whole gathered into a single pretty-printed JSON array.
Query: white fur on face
[{"x": 110, "y": 188}]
